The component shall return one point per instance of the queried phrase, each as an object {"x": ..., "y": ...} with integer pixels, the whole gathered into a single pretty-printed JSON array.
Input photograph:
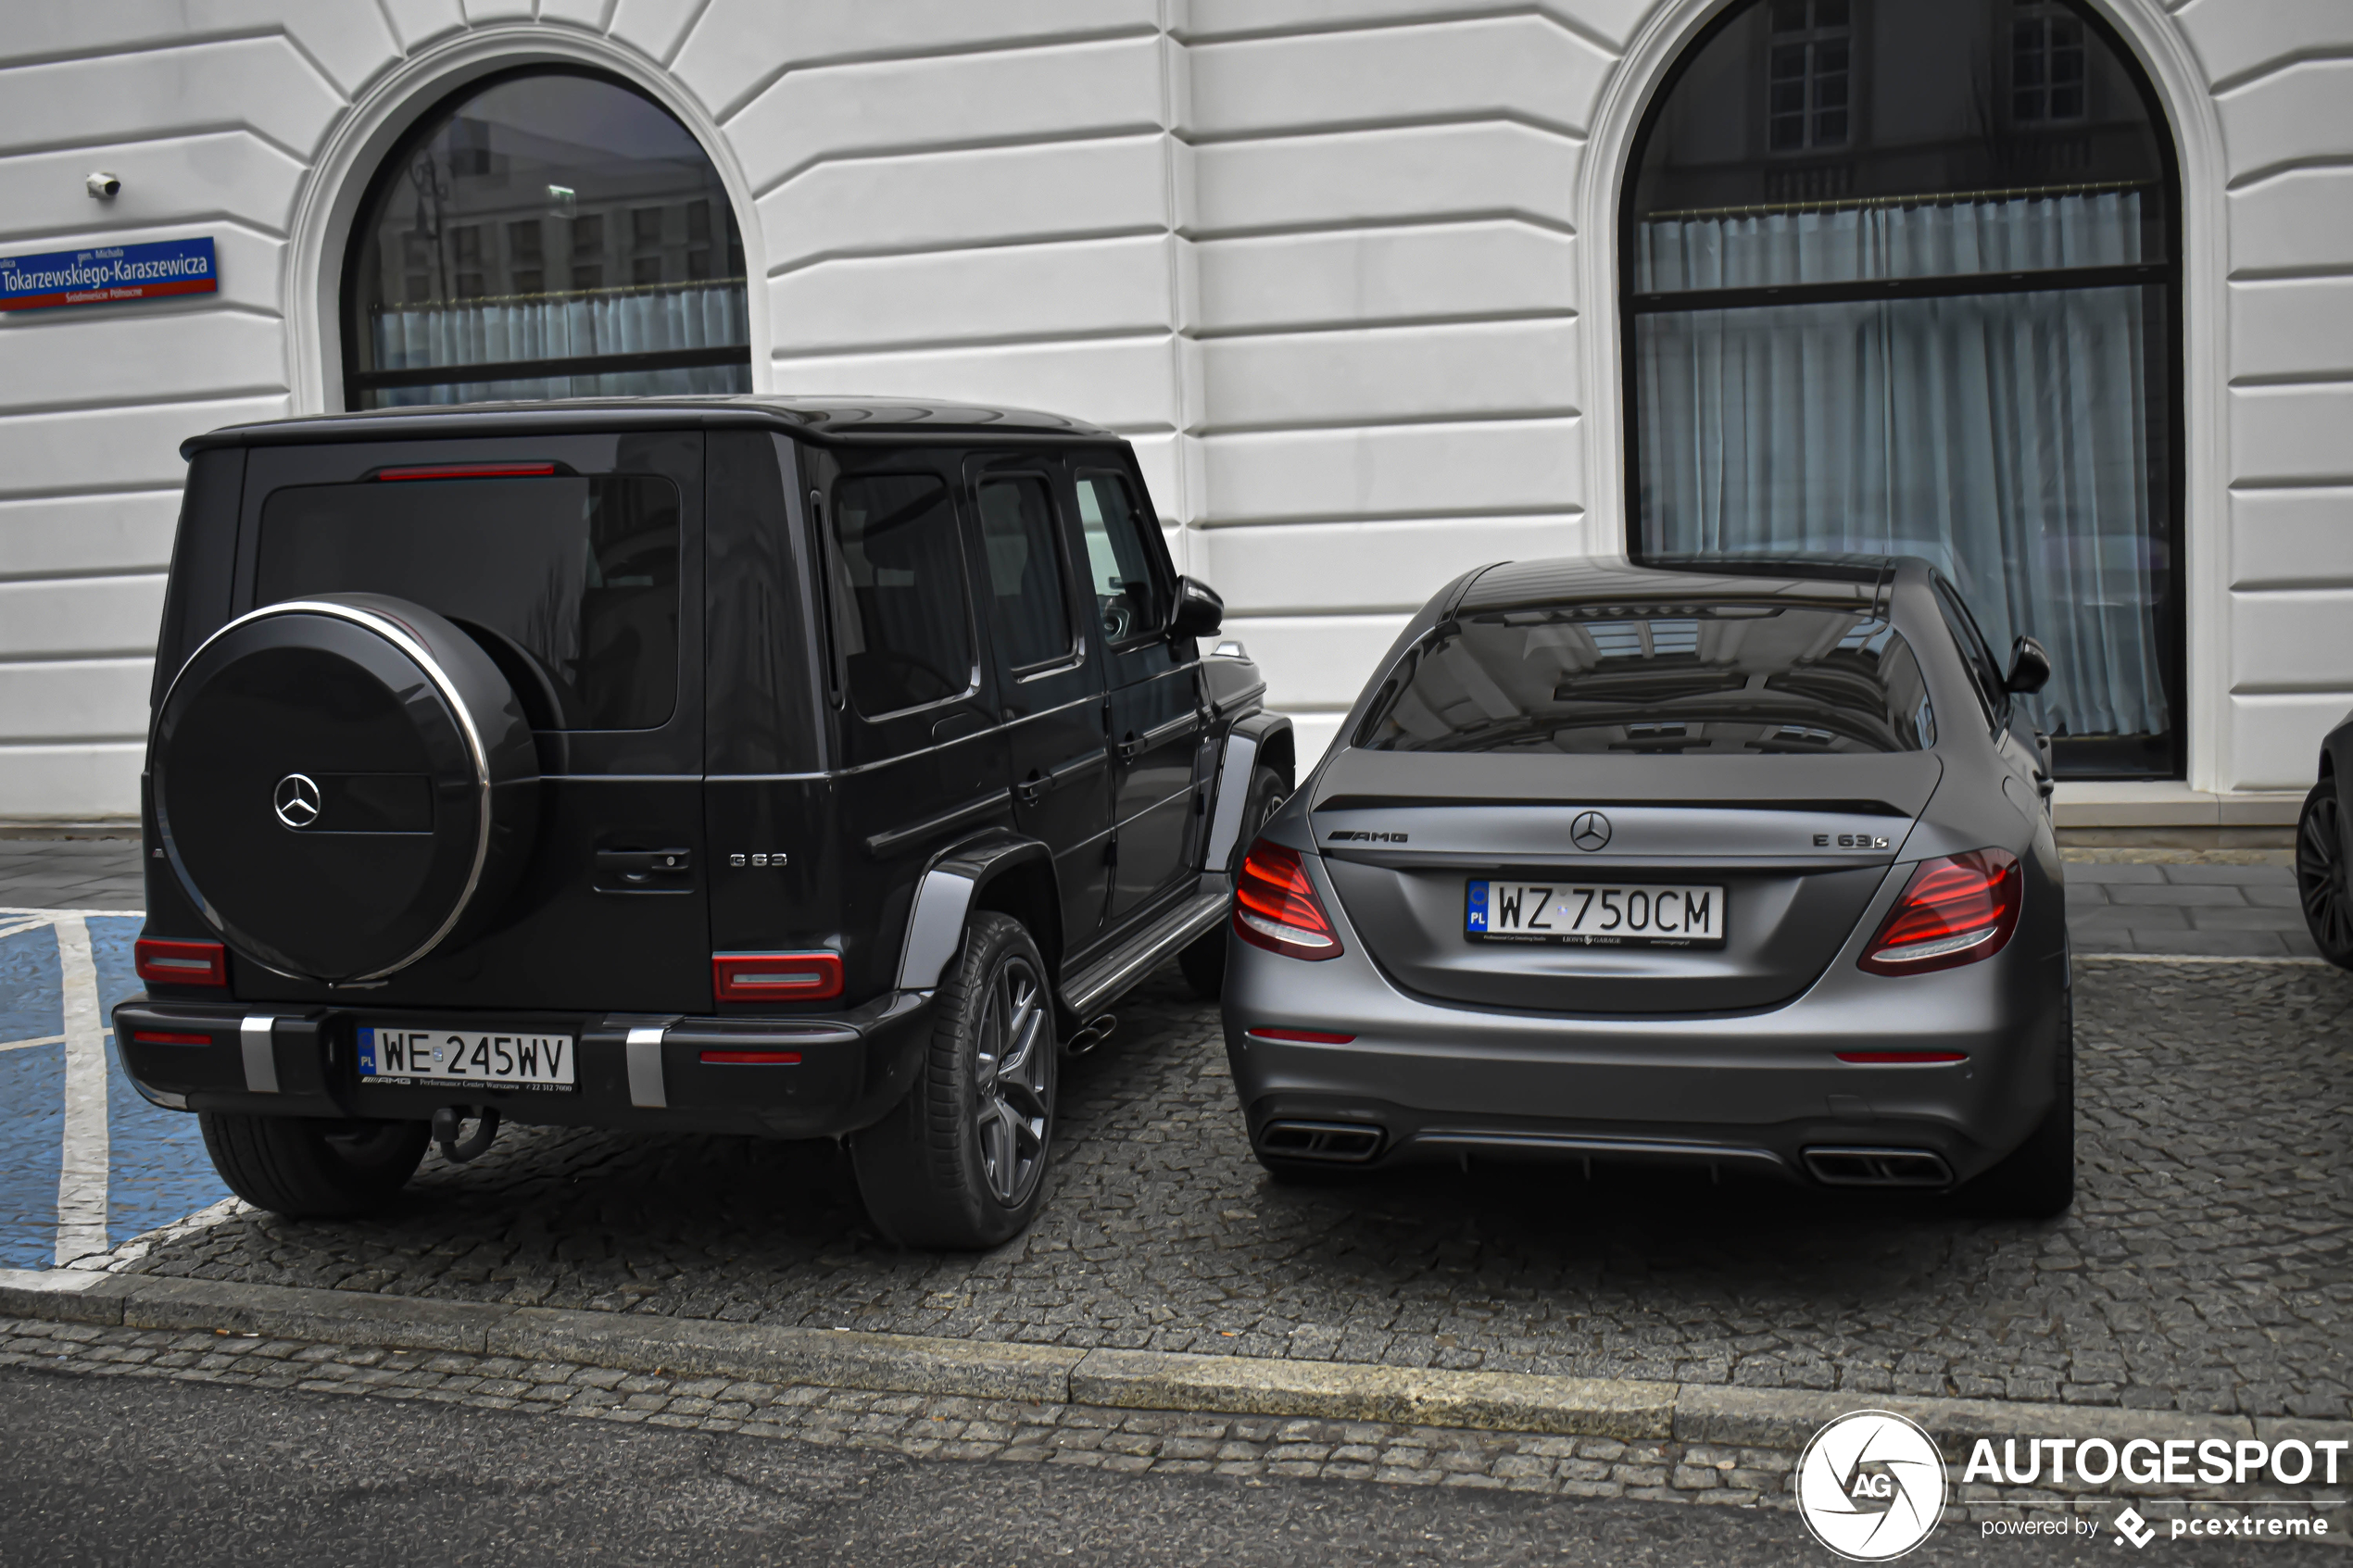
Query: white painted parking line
[
  {"x": 82, "y": 1176},
  {"x": 28, "y": 1045}
]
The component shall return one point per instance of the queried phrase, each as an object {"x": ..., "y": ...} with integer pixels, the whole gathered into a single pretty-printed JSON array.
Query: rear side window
[
  {"x": 1991, "y": 692},
  {"x": 571, "y": 582},
  {"x": 1025, "y": 570},
  {"x": 1725, "y": 679},
  {"x": 897, "y": 569},
  {"x": 1129, "y": 600}
]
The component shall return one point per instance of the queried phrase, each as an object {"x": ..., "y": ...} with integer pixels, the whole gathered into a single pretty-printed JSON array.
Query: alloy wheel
[
  {"x": 1014, "y": 1082},
  {"x": 2321, "y": 875}
]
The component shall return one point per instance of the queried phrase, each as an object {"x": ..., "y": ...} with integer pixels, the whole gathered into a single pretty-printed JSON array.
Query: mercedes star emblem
[
  {"x": 297, "y": 801},
  {"x": 1588, "y": 832}
]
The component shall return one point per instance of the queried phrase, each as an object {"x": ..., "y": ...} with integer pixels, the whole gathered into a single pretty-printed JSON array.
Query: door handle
[
  {"x": 1131, "y": 747},
  {"x": 644, "y": 870},
  {"x": 1033, "y": 789}
]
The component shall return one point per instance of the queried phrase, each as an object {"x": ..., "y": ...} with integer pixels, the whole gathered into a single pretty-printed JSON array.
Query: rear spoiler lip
[{"x": 1746, "y": 803}]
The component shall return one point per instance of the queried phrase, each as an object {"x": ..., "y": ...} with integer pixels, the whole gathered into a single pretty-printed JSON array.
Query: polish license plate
[
  {"x": 1594, "y": 914},
  {"x": 465, "y": 1056}
]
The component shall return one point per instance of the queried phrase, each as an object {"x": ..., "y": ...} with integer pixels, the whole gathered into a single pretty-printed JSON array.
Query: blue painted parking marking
[{"x": 86, "y": 1164}]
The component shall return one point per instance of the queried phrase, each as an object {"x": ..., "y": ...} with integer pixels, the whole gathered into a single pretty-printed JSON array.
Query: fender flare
[
  {"x": 1253, "y": 737},
  {"x": 950, "y": 887}
]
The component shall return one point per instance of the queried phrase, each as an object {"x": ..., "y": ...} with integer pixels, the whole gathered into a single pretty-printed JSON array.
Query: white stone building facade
[{"x": 1347, "y": 272}]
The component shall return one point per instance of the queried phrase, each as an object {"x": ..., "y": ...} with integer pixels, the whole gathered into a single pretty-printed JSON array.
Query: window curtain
[
  {"x": 490, "y": 332},
  {"x": 2005, "y": 437}
]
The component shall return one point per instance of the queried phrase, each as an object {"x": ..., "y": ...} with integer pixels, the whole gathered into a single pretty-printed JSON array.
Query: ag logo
[
  {"x": 1871, "y": 1486},
  {"x": 1589, "y": 831},
  {"x": 296, "y": 800}
]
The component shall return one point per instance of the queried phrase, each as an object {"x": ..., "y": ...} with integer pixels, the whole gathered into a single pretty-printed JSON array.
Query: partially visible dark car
[
  {"x": 2324, "y": 849},
  {"x": 1747, "y": 865},
  {"x": 755, "y": 766}
]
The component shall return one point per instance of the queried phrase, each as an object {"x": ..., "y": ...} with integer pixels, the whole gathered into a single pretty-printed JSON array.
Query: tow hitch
[{"x": 445, "y": 1132}]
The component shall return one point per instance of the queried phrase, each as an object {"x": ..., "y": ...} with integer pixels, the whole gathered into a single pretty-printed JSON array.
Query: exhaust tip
[
  {"x": 1342, "y": 1142},
  {"x": 1879, "y": 1167}
]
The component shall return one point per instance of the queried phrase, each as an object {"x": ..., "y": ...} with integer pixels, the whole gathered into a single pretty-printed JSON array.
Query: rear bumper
[
  {"x": 1755, "y": 1090},
  {"x": 634, "y": 1070}
]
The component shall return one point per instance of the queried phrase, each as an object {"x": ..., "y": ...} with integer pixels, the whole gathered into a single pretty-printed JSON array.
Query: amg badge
[{"x": 1352, "y": 836}]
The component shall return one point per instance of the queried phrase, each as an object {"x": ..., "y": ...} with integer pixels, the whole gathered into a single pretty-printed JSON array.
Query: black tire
[
  {"x": 2323, "y": 882},
  {"x": 313, "y": 1170},
  {"x": 1203, "y": 959},
  {"x": 2036, "y": 1181},
  {"x": 961, "y": 1162}
]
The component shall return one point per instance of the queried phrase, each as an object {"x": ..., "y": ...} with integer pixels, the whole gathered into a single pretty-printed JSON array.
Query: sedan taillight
[
  {"x": 1276, "y": 906},
  {"x": 1956, "y": 910}
]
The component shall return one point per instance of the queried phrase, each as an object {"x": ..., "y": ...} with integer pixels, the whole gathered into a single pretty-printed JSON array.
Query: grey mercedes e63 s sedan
[{"x": 1743, "y": 865}]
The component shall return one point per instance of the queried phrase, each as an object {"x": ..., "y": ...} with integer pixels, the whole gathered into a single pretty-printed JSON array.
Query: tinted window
[
  {"x": 899, "y": 592},
  {"x": 571, "y": 584},
  {"x": 1128, "y": 597},
  {"x": 1721, "y": 679},
  {"x": 1025, "y": 570},
  {"x": 1974, "y": 653}
]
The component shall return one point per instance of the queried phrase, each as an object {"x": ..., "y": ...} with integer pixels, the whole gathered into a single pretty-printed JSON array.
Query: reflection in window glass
[
  {"x": 571, "y": 584},
  {"x": 1128, "y": 600},
  {"x": 899, "y": 592},
  {"x": 1025, "y": 570},
  {"x": 550, "y": 216},
  {"x": 1727, "y": 679}
]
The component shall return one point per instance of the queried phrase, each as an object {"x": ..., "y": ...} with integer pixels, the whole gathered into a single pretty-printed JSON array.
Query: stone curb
[{"x": 1630, "y": 1411}]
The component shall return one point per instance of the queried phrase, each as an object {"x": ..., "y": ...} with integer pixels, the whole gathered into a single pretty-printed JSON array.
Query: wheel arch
[{"x": 998, "y": 870}]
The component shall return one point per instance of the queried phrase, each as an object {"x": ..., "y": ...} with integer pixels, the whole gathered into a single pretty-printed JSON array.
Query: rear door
[
  {"x": 922, "y": 758},
  {"x": 1050, "y": 679},
  {"x": 1155, "y": 709},
  {"x": 581, "y": 570}
]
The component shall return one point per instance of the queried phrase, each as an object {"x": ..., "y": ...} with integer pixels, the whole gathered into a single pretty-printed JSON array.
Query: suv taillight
[
  {"x": 180, "y": 963},
  {"x": 776, "y": 978},
  {"x": 1276, "y": 906},
  {"x": 1956, "y": 910}
]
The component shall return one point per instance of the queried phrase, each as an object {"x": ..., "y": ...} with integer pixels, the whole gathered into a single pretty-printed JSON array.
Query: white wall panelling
[{"x": 1342, "y": 269}]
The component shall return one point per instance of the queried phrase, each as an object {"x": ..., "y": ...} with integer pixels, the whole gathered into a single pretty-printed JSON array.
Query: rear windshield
[
  {"x": 571, "y": 584},
  {"x": 1726, "y": 679}
]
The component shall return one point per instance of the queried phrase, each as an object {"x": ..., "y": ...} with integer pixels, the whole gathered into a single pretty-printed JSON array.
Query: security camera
[{"x": 102, "y": 186}]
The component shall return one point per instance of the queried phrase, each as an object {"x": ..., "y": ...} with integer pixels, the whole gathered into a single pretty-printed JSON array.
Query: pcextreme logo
[{"x": 1871, "y": 1486}]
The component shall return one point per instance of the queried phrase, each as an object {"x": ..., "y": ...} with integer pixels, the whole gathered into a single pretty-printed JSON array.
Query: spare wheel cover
[{"x": 341, "y": 782}]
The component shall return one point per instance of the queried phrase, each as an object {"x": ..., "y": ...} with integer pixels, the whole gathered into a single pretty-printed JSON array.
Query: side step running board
[{"x": 1087, "y": 991}]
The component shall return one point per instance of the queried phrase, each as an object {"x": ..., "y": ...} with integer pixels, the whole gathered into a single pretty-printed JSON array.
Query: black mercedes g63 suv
[{"x": 740, "y": 765}]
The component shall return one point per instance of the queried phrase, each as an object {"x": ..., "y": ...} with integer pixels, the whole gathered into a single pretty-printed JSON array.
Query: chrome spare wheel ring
[{"x": 1013, "y": 1084}]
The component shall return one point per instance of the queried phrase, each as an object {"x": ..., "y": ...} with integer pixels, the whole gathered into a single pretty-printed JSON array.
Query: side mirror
[
  {"x": 1198, "y": 609},
  {"x": 2029, "y": 667}
]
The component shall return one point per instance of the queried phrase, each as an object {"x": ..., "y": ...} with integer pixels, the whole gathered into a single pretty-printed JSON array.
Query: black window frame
[
  {"x": 2162, "y": 292},
  {"x": 356, "y": 382}
]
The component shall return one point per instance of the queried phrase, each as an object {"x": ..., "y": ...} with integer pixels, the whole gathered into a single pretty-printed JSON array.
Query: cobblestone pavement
[
  {"x": 70, "y": 873},
  {"x": 1029, "y": 1432},
  {"x": 2180, "y": 907},
  {"x": 2205, "y": 1267}
]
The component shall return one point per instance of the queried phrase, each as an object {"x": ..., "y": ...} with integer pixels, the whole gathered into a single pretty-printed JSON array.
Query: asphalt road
[{"x": 134, "y": 1471}]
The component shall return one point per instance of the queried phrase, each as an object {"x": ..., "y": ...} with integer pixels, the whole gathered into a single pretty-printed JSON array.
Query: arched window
[
  {"x": 546, "y": 233},
  {"x": 1902, "y": 277}
]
